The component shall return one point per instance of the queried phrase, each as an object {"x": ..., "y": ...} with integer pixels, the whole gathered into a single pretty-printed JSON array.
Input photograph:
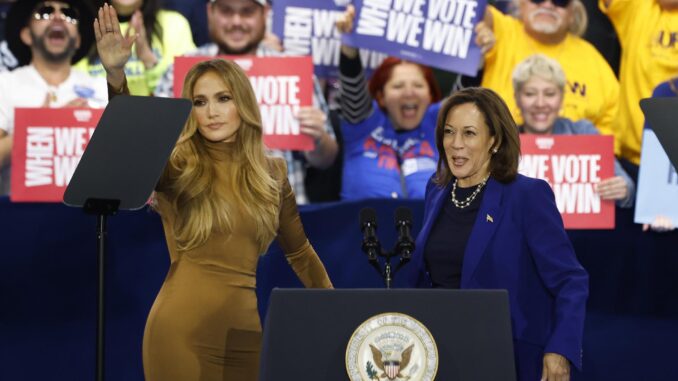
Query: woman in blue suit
[{"x": 488, "y": 227}]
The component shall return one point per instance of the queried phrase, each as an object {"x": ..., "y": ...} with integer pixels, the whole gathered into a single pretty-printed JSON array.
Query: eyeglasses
[
  {"x": 47, "y": 11},
  {"x": 557, "y": 3}
]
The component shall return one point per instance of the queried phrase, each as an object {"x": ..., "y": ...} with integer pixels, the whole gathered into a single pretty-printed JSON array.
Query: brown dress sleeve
[
  {"x": 292, "y": 238},
  {"x": 112, "y": 92}
]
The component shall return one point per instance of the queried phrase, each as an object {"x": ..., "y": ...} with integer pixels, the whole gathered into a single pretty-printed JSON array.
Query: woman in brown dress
[{"x": 222, "y": 202}]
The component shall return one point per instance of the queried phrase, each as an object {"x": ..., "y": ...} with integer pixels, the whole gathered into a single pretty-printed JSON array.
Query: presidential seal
[{"x": 393, "y": 347}]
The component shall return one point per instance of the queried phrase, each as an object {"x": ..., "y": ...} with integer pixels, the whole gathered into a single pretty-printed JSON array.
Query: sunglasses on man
[
  {"x": 557, "y": 3},
  {"x": 48, "y": 10}
]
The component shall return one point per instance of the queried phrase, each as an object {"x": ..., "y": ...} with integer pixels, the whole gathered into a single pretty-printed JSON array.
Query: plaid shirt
[{"x": 296, "y": 161}]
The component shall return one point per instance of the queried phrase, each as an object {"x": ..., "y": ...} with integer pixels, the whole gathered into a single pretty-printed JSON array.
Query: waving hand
[{"x": 114, "y": 48}]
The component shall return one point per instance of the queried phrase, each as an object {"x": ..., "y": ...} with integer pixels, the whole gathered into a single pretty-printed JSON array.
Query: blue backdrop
[{"x": 48, "y": 288}]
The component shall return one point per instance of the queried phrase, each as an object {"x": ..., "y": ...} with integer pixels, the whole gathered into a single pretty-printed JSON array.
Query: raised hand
[
  {"x": 484, "y": 37},
  {"x": 613, "y": 188},
  {"x": 142, "y": 48},
  {"x": 344, "y": 25},
  {"x": 344, "y": 22},
  {"x": 114, "y": 48}
]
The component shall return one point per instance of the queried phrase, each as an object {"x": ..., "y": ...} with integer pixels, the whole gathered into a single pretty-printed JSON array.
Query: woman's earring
[{"x": 494, "y": 150}]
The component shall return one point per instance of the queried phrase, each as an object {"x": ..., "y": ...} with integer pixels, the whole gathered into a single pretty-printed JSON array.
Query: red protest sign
[
  {"x": 572, "y": 165},
  {"x": 281, "y": 85},
  {"x": 48, "y": 145}
]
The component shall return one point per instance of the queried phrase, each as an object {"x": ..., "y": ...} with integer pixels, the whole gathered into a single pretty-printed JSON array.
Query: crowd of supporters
[{"x": 379, "y": 143}]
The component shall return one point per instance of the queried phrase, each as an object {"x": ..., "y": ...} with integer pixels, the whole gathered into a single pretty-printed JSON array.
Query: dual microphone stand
[{"x": 403, "y": 248}]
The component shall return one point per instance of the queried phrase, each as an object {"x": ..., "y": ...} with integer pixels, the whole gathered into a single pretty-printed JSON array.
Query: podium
[{"x": 307, "y": 332}]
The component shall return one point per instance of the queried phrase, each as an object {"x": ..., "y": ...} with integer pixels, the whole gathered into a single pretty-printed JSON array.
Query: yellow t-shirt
[
  {"x": 591, "y": 91},
  {"x": 649, "y": 41},
  {"x": 176, "y": 40}
]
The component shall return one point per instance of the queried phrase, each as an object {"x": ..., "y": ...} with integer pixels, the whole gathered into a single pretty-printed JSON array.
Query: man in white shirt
[{"x": 46, "y": 37}]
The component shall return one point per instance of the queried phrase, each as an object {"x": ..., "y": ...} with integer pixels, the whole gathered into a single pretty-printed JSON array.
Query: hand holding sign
[
  {"x": 613, "y": 188},
  {"x": 312, "y": 122},
  {"x": 344, "y": 25},
  {"x": 660, "y": 224},
  {"x": 484, "y": 37},
  {"x": 436, "y": 33}
]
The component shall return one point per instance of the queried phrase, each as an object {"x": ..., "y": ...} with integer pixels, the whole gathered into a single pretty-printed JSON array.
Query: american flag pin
[{"x": 489, "y": 218}]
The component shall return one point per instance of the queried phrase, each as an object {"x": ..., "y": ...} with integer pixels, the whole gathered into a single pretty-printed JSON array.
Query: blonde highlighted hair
[
  {"x": 538, "y": 65},
  {"x": 199, "y": 209}
]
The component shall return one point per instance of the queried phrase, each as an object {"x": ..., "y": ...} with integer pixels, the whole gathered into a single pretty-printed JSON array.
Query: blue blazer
[{"x": 518, "y": 243}]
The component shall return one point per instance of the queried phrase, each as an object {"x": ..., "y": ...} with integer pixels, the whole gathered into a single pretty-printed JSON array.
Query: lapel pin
[{"x": 489, "y": 218}]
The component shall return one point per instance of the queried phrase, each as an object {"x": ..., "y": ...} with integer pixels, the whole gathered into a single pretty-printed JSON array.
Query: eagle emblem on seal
[{"x": 390, "y": 361}]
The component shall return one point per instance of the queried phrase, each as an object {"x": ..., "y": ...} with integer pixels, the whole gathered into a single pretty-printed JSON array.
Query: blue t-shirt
[{"x": 380, "y": 162}]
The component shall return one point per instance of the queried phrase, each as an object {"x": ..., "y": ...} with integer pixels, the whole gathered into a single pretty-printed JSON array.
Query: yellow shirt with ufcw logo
[
  {"x": 649, "y": 40},
  {"x": 591, "y": 91}
]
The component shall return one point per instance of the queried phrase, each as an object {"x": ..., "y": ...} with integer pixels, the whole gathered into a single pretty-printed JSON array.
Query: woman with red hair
[{"x": 389, "y": 132}]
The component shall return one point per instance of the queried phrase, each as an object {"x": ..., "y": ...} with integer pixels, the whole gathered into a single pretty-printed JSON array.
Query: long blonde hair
[{"x": 199, "y": 209}]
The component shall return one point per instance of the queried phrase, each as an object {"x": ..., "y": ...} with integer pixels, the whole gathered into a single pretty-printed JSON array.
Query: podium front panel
[{"x": 306, "y": 332}]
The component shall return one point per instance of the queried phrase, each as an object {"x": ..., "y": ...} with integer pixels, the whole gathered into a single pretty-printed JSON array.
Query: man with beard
[
  {"x": 46, "y": 37},
  {"x": 238, "y": 27},
  {"x": 553, "y": 28}
]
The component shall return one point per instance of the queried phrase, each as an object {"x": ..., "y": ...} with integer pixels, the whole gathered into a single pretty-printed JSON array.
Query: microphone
[
  {"x": 403, "y": 222},
  {"x": 368, "y": 225}
]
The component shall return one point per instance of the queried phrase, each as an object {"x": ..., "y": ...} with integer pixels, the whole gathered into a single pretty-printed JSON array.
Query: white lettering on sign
[
  {"x": 456, "y": 12},
  {"x": 373, "y": 17},
  {"x": 64, "y": 167},
  {"x": 445, "y": 27},
  {"x": 323, "y": 23},
  {"x": 576, "y": 168},
  {"x": 298, "y": 28},
  {"x": 576, "y": 198},
  {"x": 280, "y": 119},
  {"x": 71, "y": 141},
  {"x": 273, "y": 90},
  {"x": 404, "y": 28},
  {"x": 53, "y": 153},
  {"x": 39, "y": 156},
  {"x": 445, "y": 38},
  {"x": 535, "y": 166},
  {"x": 573, "y": 179},
  {"x": 326, "y": 51}
]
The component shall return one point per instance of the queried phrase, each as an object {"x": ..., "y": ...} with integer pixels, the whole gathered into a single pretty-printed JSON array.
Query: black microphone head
[
  {"x": 368, "y": 216},
  {"x": 403, "y": 214}
]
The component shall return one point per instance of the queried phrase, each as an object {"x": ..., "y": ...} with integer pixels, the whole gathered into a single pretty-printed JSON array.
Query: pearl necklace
[{"x": 464, "y": 203}]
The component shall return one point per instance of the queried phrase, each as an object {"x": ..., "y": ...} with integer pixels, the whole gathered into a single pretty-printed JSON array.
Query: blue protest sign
[
  {"x": 432, "y": 32},
  {"x": 657, "y": 183},
  {"x": 306, "y": 27}
]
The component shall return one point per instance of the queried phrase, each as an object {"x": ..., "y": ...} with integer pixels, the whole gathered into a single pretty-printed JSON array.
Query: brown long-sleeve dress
[{"x": 204, "y": 324}]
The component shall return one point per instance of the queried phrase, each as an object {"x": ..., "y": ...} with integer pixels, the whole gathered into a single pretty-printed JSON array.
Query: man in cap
[
  {"x": 238, "y": 27},
  {"x": 46, "y": 37}
]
